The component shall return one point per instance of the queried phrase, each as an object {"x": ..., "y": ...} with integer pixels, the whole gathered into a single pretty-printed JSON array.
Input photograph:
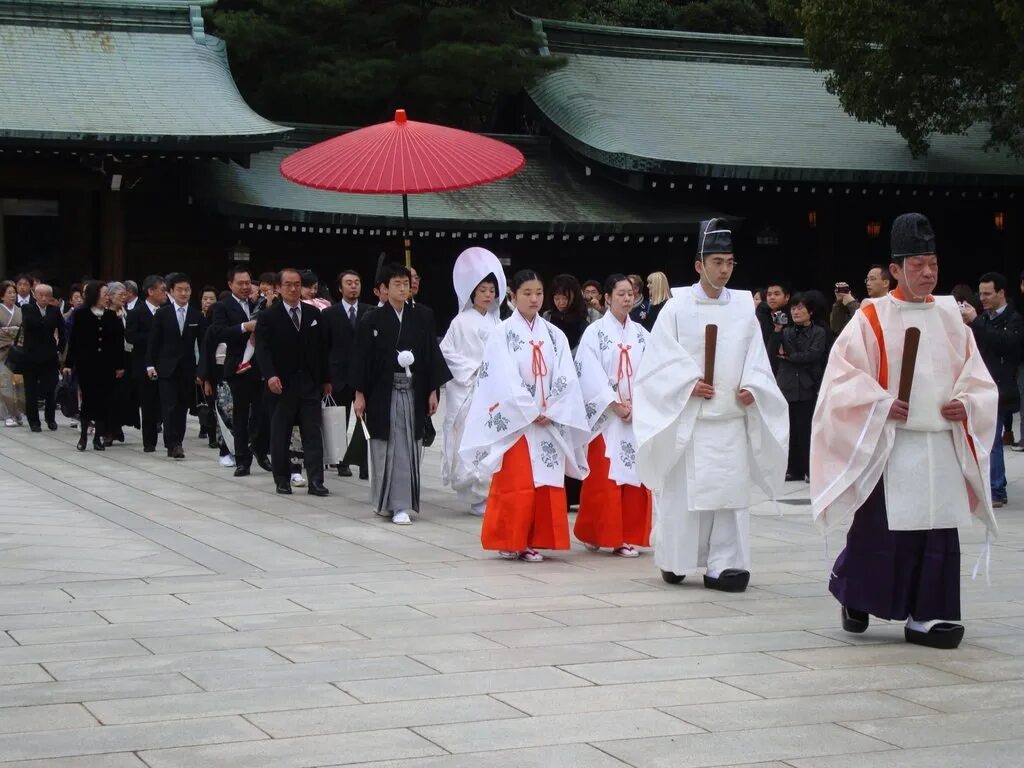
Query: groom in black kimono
[{"x": 396, "y": 371}]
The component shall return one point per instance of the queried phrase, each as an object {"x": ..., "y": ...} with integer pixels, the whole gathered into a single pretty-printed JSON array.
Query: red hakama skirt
[{"x": 611, "y": 514}]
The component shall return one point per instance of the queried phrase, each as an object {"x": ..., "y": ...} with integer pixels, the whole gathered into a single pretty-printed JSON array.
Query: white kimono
[
  {"x": 701, "y": 457},
  {"x": 527, "y": 370},
  {"x": 463, "y": 350},
  {"x": 935, "y": 472},
  {"x": 607, "y": 358}
]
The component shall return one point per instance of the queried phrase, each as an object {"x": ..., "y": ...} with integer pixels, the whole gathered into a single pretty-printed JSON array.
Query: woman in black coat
[
  {"x": 96, "y": 356},
  {"x": 802, "y": 357}
]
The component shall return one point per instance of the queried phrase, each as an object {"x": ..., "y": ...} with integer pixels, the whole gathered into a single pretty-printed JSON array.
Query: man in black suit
[
  {"x": 429, "y": 433},
  {"x": 171, "y": 355},
  {"x": 234, "y": 320},
  {"x": 290, "y": 351},
  {"x": 340, "y": 323},
  {"x": 136, "y": 332},
  {"x": 43, "y": 340}
]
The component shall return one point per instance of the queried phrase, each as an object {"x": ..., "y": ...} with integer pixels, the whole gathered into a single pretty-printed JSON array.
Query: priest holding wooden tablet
[
  {"x": 710, "y": 422},
  {"x": 900, "y": 441}
]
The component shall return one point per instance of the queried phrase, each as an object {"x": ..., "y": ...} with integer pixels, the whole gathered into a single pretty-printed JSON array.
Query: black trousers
[
  {"x": 149, "y": 400},
  {"x": 299, "y": 403},
  {"x": 40, "y": 383},
  {"x": 177, "y": 395},
  {"x": 249, "y": 427},
  {"x": 800, "y": 414}
]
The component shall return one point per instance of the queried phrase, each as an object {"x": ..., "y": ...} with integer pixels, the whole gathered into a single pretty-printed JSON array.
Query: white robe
[
  {"x": 463, "y": 350},
  {"x": 607, "y": 359},
  {"x": 508, "y": 397},
  {"x": 935, "y": 472},
  {"x": 702, "y": 457}
]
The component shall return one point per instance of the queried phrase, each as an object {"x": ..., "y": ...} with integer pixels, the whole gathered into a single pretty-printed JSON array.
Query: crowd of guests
[{"x": 112, "y": 356}]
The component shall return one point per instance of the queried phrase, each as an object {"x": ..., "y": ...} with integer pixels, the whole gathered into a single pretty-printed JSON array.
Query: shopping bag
[{"x": 333, "y": 429}]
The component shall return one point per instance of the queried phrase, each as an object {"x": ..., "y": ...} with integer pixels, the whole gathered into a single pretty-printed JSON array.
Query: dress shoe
[
  {"x": 317, "y": 489},
  {"x": 241, "y": 471},
  {"x": 98, "y": 443},
  {"x": 35, "y": 427},
  {"x": 202, "y": 433},
  {"x": 149, "y": 449},
  {"x": 83, "y": 441},
  {"x": 364, "y": 474},
  {"x": 213, "y": 443},
  {"x": 263, "y": 462},
  {"x": 729, "y": 580},
  {"x": 52, "y": 426},
  {"x": 344, "y": 471},
  {"x": 177, "y": 452},
  {"x": 284, "y": 487}
]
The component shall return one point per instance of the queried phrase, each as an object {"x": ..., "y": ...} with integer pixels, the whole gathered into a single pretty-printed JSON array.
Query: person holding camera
[
  {"x": 802, "y": 355},
  {"x": 843, "y": 309},
  {"x": 776, "y": 295}
]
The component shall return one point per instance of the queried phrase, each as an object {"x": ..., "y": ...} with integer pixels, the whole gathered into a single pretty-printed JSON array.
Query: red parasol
[{"x": 402, "y": 157}]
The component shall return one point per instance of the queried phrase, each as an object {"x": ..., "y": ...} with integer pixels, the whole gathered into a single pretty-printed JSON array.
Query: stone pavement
[{"x": 164, "y": 614}]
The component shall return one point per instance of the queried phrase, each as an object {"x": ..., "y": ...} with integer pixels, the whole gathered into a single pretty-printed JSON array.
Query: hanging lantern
[
  {"x": 812, "y": 219},
  {"x": 874, "y": 229},
  {"x": 999, "y": 219}
]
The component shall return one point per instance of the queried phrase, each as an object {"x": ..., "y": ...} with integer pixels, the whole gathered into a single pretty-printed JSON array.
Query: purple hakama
[{"x": 893, "y": 574}]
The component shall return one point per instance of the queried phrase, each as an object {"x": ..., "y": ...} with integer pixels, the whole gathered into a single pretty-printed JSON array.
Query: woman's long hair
[
  {"x": 658, "y": 285},
  {"x": 567, "y": 285}
]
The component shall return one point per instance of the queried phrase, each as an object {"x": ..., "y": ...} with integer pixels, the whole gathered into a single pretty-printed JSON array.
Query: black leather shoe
[
  {"x": 729, "y": 580},
  {"x": 284, "y": 487},
  {"x": 364, "y": 474},
  {"x": 241, "y": 471},
  {"x": 672, "y": 578},
  {"x": 149, "y": 449},
  {"x": 177, "y": 452},
  {"x": 52, "y": 426},
  {"x": 317, "y": 489},
  {"x": 263, "y": 462},
  {"x": 344, "y": 471},
  {"x": 83, "y": 441},
  {"x": 97, "y": 444},
  {"x": 854, "y": 621},
  {"x": 35, "y": 428}
]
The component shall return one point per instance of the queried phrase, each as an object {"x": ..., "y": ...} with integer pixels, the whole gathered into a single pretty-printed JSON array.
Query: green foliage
[
  {"x": 931, "y": 66},
  {"x": 354, "y": 61},
  {"x": 738, "y": 17}
]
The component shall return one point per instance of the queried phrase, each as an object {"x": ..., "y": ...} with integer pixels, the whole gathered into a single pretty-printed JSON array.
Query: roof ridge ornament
[{"x": 195, "y": 13}]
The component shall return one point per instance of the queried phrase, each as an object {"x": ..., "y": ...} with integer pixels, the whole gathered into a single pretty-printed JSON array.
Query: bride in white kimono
[
  {"x": 479, "y": 280},
  {"x": 527, "y": 429},
  {"x": 615, "y": 509}
]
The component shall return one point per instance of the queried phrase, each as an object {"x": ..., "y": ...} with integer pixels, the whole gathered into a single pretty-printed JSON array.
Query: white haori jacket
[
  {"x": 935, "y": 472},
  {"x": 607, "y": 358},
  {"x": 527, "y": 370},
  {"x": 463, "y": 350},
  {"x": 709, "y": 452}
]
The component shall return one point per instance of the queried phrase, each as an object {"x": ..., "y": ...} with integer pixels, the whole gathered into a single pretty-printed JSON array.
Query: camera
[
  {"x": 842, "y": 287},
  {"x": 780, "y": 318}
]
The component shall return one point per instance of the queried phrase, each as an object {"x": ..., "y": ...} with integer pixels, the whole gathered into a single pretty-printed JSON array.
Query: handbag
[
  {"x": 66, "y": 396},
  {"x": 15, "y": 361},
  {"x": 334, "y": 431},
  {"x": 202, "y": 407}
]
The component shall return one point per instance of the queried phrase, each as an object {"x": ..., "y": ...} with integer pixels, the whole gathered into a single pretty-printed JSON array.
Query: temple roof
[
  {"x": 550, "y": 195},
  {"x": 730, "y": 106},
  {"x": 118, "y": 73}
]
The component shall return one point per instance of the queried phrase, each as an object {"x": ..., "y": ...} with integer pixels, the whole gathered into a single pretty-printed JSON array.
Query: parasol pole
[{"x": 405, "y": 232}]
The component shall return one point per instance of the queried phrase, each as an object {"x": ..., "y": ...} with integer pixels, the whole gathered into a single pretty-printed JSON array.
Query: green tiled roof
[
  {"x": 549, "y": 195},
  {"x": 734, "y": 107},
  {"x": 120, "y": 73}
]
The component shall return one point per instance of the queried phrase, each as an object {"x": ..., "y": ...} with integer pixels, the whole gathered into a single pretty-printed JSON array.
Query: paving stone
[
  {"x": 400, "y": 646},
  {"x": 213, "y": 704},
  {"x": 697, "y": 646},
  {"x": 90, "y": 690},
  {"x": 996, "y": 754},
  {"x": 461, "y": 684},
  {"x": 510, "y": 658},
  {"x": 985, "y": 670},
  {"x": 126, "y": 738},
  {"x": 626, "y": 696},
  {"x": 23, "y": 673},
  {"x": 118, "y": 631},
  {"x": 733, "y": 747},
  {"x": 255, "y": 639},
  {"x": 939, "y": 729},
  {"x": 645, "y": 630},
  {"x": 806, "y": 710},
  {"x": 302, "y": 752},
  {"x": 118, "y": 760},
  {"x": 45, "y": 718},
  {"x": 301, "y": 674},
  {"x": 554, "y": 729},
  {"x": 881, "y": 655},
  {"x": 63, "y": 651},
  {"x": 170, "y": 662},
  {"x": 565, "y": 756},
  {"x": 815, "y": 682},
  {"x": 967, "y": 697},
  {"x": 646, "y": 670},
  {"x": 395, "y": 714}
]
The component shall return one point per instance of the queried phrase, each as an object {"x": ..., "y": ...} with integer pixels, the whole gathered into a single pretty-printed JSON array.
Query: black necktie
[
  {"x": 352, "y": 316},
  {"x": 295, "y": 317}
]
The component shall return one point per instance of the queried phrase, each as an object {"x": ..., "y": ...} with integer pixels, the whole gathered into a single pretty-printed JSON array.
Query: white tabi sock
[
  {"x": 713, "y": 574},
  {"x": 922, "y": 626}
]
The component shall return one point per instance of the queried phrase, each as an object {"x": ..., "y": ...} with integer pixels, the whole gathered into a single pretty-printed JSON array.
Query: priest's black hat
[
  {"x": 715, "y": 237},
  {"x": 912, "y": 235}
]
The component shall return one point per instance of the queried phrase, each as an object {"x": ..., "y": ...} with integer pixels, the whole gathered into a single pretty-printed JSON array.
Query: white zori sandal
[
  {"x": 531, "y": 556},
  {"x": 627, "y": 550}
]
